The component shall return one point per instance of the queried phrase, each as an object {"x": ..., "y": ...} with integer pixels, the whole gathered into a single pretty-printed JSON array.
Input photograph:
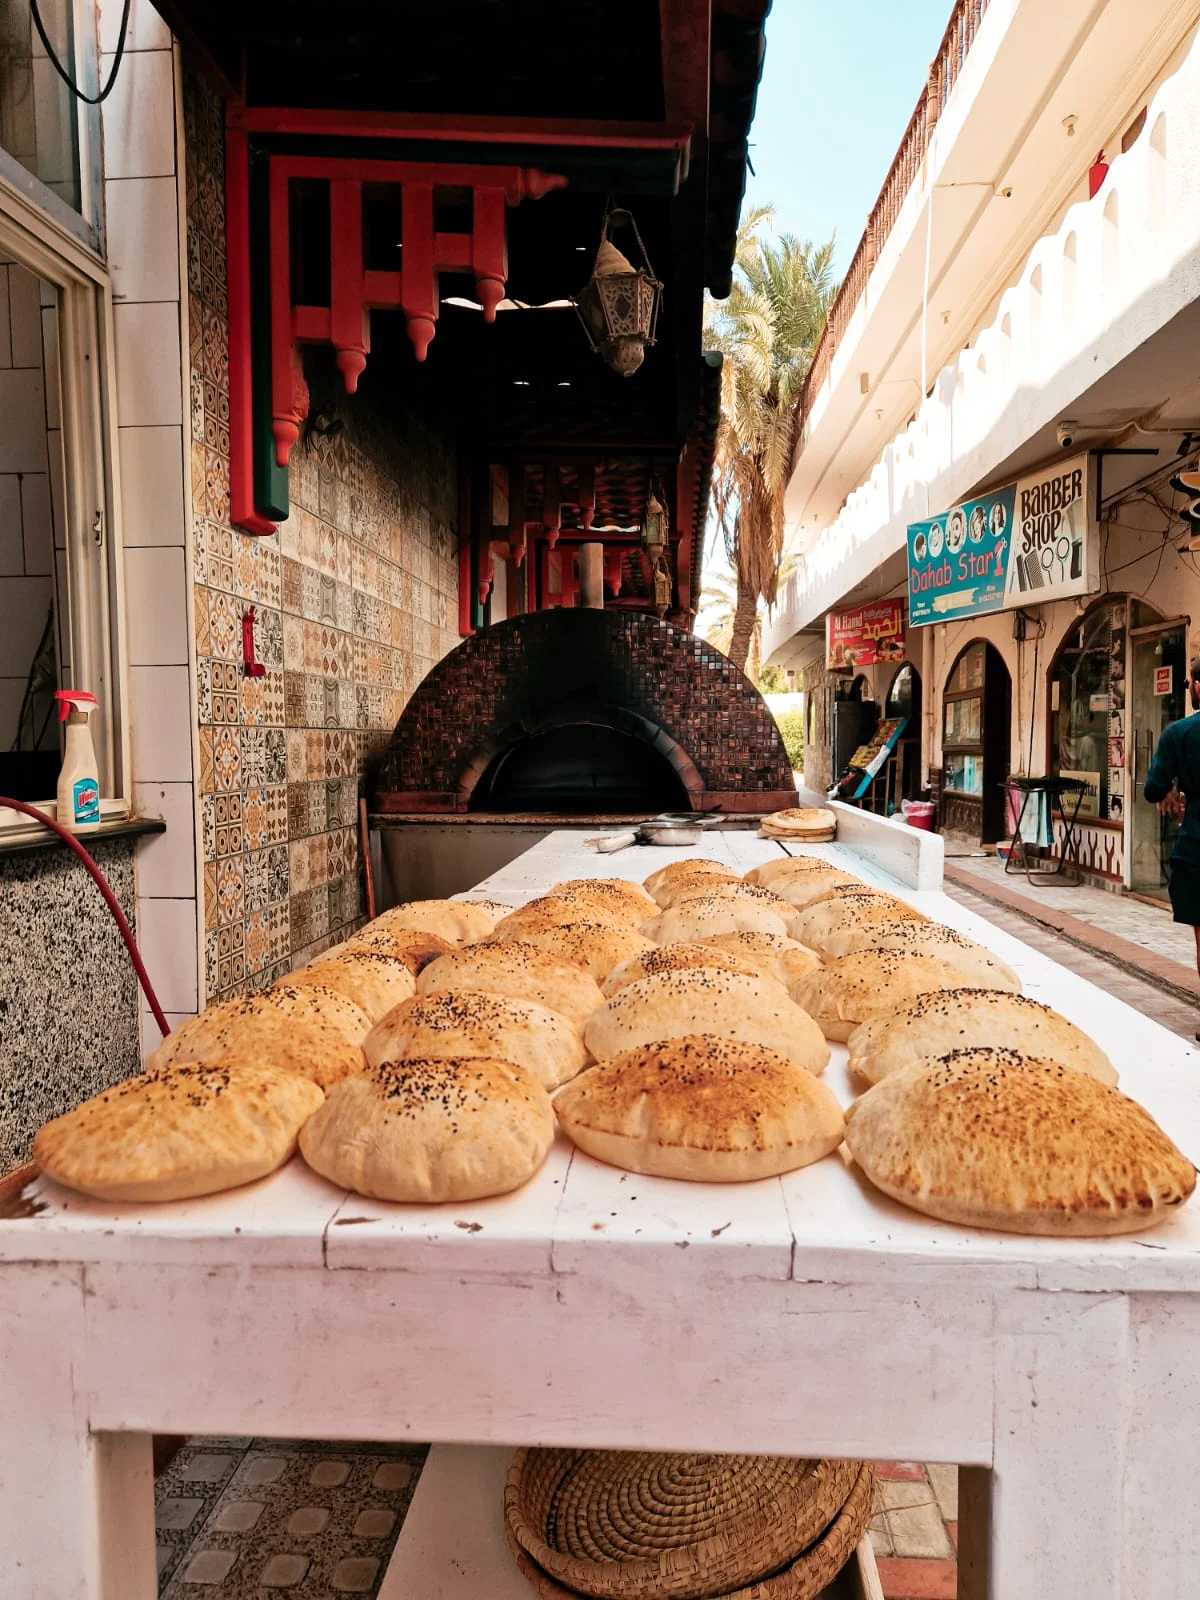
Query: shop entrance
[
  {"x": 1158, "y": 681},
  {"x": 976, "y": 729}
]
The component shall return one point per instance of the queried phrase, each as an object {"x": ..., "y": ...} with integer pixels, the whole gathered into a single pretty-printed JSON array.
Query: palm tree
[
  {"x": 766, "y": 331},
  {"x": 720, "y": 597}
]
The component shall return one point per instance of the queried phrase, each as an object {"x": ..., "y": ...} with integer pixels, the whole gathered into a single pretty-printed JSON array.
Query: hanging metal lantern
[
  {"x": 618, "y": 305},
  {"x": 654, "y": 528}
]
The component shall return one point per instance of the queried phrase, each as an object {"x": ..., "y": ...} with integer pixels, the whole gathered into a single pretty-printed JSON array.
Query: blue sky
[{"x": 841, "y": 80}]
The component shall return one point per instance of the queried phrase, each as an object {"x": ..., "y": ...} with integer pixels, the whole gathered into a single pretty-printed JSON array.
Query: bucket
[{"x": 919, "y": 814}]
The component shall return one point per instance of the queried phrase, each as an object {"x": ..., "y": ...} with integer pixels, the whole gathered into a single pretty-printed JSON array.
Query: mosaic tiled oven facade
[
  {"x": 627, "y": 670},
  {"x": 356, "y": 599}
]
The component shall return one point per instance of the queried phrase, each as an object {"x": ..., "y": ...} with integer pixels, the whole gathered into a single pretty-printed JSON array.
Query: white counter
[{"x": 802, "y": 1315}]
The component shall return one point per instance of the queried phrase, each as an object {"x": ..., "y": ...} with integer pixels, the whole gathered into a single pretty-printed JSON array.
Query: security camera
[{"x": 1066, "y": 432}]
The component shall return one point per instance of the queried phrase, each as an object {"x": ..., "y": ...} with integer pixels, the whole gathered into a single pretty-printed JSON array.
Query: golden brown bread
[
  {"x": 676, "y": 958},
  {"x": 814, "y": 884},
  {"x": 729, "y": 1005},
  {"x": 814, "y": 925},
  {"x": 556, "y": 911},
  {"x": 657, "y": 883},
  {"x": 462, "y": 1023},
  {"x": 959, "y": 1019},
  {"x": 706, "y": 1109},
  {"x": 801, "y": 822},
  {"x": 410, "y": 945},
  {"x": 459, "y": 921},
  {"x": 997, "y": 1139},
  {"x": 973, "y": 961},
  {"x": 783, "y": 867},
  {"x": 519, "y": 970},
  {"x": 597, "y": 947},
  {"x": 309, "y": 1046},
  {"x": 698, "y": 885},
  {"x": 614, "y": 894},
  {"x": 177, "y": 1132},
  {"x": 432, "y": 1130},
  {"x": 849, "y": 990},
  {"x": 372, "y": 979},
  {"x": 774, "y": 957},
  {"x": 714, "y": 913}
]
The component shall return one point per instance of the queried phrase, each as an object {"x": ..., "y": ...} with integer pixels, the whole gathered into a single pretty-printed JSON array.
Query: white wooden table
[{"x": 804, "y": 1315}]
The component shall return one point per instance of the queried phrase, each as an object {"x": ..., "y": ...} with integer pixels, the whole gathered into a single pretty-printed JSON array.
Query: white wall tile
[
  {"x": 22, "y": 422},
  {"x": 24, "y": 604},
  {"x": 143, "y": 238},
  {"x": 35, "y": 522},
  {"x": 139, "y": 117},
  {"x": 166, "y": 862},
  {"x": 148, "y": 384},
  {"x": 166, "y": 936},
  {"x": 12, "y": 544},
  {"x": 25, "y": 314},
  {"x": 160, "y": 710},
  {"x": 147, "y": 30},
  {"x": 156, "y": 606},
  {"x": 152, "y": 485}
]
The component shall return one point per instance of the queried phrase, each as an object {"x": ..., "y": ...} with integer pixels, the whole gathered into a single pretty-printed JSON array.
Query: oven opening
[{"x": 578, "y": 769}]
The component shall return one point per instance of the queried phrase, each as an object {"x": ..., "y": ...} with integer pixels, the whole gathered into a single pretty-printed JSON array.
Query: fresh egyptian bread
[
  {"x": 521, "y": 971},
  {"x": 705, "y": 1000},
  {"x": 963, "y": 1019},
  {"x": 780, "y": 958},
  {"x": 737, "y": 890},
  {"x": 807, "y": 888},
  {"x": 614, "y": 894},
  {"x": 410, "y": 945},
  {"x": 816, "y": 924},
  {"x": 291, "y": 1001},
  {"x": 492, "y": 908},
  {"x": 597, "y": 947},
  {"x": 464, "y": 1023},
  {"x": 785, "y": 867},
  {"x": 994, "y": 1138},
  {"x": 675, "y": 958},
  {"x": 176, "y": 1132},
  {"x": 458, "y": 921},
  {"x": 432, "y": 1130},
  {"x": 657, "y": 882},
  {"x": 848, "y": 990},
  {"x": 801, "y": 822},
  {"x": 694, "y": 885},
  {"x": 708, "y": 1109},
  {"x": 973, "y": 961},
  {"x": 556, "y": 911},
  {"x": 372, "y": 979},
  {"x": 310, "y": 1046},
  {"x": 698, "y": 919}
]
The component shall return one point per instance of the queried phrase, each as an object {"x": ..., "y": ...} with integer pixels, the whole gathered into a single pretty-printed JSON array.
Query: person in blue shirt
[{"x": 1173, "y": 784}]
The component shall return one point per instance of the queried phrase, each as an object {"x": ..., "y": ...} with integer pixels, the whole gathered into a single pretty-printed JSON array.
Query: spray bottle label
[{"x": 85, "y": 801}]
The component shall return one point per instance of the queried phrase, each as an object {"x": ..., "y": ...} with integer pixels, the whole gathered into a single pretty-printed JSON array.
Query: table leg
[{"x": 76, "y": 1507}]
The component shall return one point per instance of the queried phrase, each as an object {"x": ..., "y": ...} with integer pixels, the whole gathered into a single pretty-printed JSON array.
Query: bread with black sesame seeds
[
  {"x": 729, "y": 1005},
  {"x": 658, "y": 882},
  {"x": 432, "y": 1131},
  {"x": 520, "y": 970},
  {"x": 372, "y": 979},
  {"x": 597, "y": 947},
  {"x": 467, "y": 1022},
  {"x": 556, "y": 911},
  {"x": 176, "y": 1132},
  {"x": 675, "y": 958},
  {"x": 410, "y": 945},
  {"x": 614, "y": 894},
  {"x": 697, "y": 886},
  {"x": 774, "y": 956},
  {"x": 994, "y": 1138},
  {"x": 816, "y": 923},
  {"x": 458, "y": 921},
  {"x": 310, "y": 1046},
  {"x": 974, "y": 961},
  {"x": 697, "y": 919},
  {"x": 804, "y": 889},
  {"x": 701, "y": 1108},
  {"x": 959, "y": 1019},
  {"x": 209, "y": 1035},
  {"x": 849, "y": 990},
  {"x": 784, "y": 867}
]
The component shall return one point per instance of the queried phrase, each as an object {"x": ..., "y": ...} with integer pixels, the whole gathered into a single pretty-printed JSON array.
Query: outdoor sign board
[
  {"x": 1162, "y": 680},
  {"x": 1024, "y": 544},
  {"x": 864, "y": 636}
]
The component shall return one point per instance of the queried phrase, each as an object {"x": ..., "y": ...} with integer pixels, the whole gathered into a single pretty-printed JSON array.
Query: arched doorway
[
  {"x": 904, "y": 700},
  {"x": 976, "y": 734}
]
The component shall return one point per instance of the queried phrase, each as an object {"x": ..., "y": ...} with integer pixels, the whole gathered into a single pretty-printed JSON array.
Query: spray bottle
[{"x": 79, "y": 779}]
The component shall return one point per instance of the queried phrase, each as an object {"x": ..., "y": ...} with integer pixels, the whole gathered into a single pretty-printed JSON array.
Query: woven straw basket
[{"x": 619, "y": 1525}]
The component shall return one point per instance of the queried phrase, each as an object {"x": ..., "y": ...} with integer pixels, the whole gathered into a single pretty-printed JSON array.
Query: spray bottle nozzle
[{"x": 74, "y": 699}]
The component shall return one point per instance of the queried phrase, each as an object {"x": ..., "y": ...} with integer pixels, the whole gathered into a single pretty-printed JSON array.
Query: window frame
[{"x": 968, "y": 747}]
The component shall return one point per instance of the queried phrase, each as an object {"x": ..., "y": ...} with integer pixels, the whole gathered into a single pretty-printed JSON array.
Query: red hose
[{"x": 110, "y": 901}]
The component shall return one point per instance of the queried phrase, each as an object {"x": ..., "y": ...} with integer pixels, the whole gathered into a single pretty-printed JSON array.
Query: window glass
[
  {"x": 38, "y": 121},
  {"x": 900, "y": 695},
  {"x": 1087, "y": 708}
]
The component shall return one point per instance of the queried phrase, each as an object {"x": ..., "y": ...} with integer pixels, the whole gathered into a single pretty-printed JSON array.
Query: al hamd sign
[
  {"x": 1025, "y": 544},
  {"x": 861, "y": 638}
]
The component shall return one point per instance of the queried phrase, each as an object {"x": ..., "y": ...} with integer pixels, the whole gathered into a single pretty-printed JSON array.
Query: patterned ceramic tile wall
[{"x": 356, "y": 600}]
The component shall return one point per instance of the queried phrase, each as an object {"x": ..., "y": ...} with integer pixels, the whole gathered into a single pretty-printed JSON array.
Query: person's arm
[{"x": 1164, "y": 769}]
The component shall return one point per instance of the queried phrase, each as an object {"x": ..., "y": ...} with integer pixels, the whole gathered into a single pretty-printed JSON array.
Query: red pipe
[{"x": 110, "y": 901}]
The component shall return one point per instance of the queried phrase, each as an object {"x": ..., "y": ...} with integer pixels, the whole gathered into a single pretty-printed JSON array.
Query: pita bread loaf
[
  {"x": 801, "y": 822},
  {"x": 614, "y": 894},
  {"x": 177, "y": 1132},
  {"x": 851, "y": 989},
  {"x": 657, "y": 881},
  {"x": 973, "y": 961},
  {"x": 676, "y": 958},
  {"x": 782, "y": 959},
  {"x": 432, "y": 1130},
  {"x": 785, "y": 867},
  {"x": 698, "y": 919},
  {"x": 807, "y": 888},
  {"x": 519, "y": 971},
  {"x": 372, "y": 979},
  {"x": 692, "y": 885},
  {"x": 292, "y": 1001},
  {"x": 310, "y": 1046},
  {"x": 815, "y": 925},
  {"x": 701, "y": 1108},
  {"x": 729, "y": 1005},
  {"x": 997, "y": 1139},
  {"x": 737, "y": 890},
  {"x": 410, "y": 945},
  {"x": 962, "y": 1019},
  {"x": 556, "y": 911},
  {"x": 595, "y": 946},
  {"x": 493, "y": 908},
  {"x": 466, "y": 1023},
  {"x": 459, "y": 921}
]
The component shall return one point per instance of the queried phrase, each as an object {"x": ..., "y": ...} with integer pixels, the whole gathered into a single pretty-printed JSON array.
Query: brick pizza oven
[{"x": 577, "y": 712}]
